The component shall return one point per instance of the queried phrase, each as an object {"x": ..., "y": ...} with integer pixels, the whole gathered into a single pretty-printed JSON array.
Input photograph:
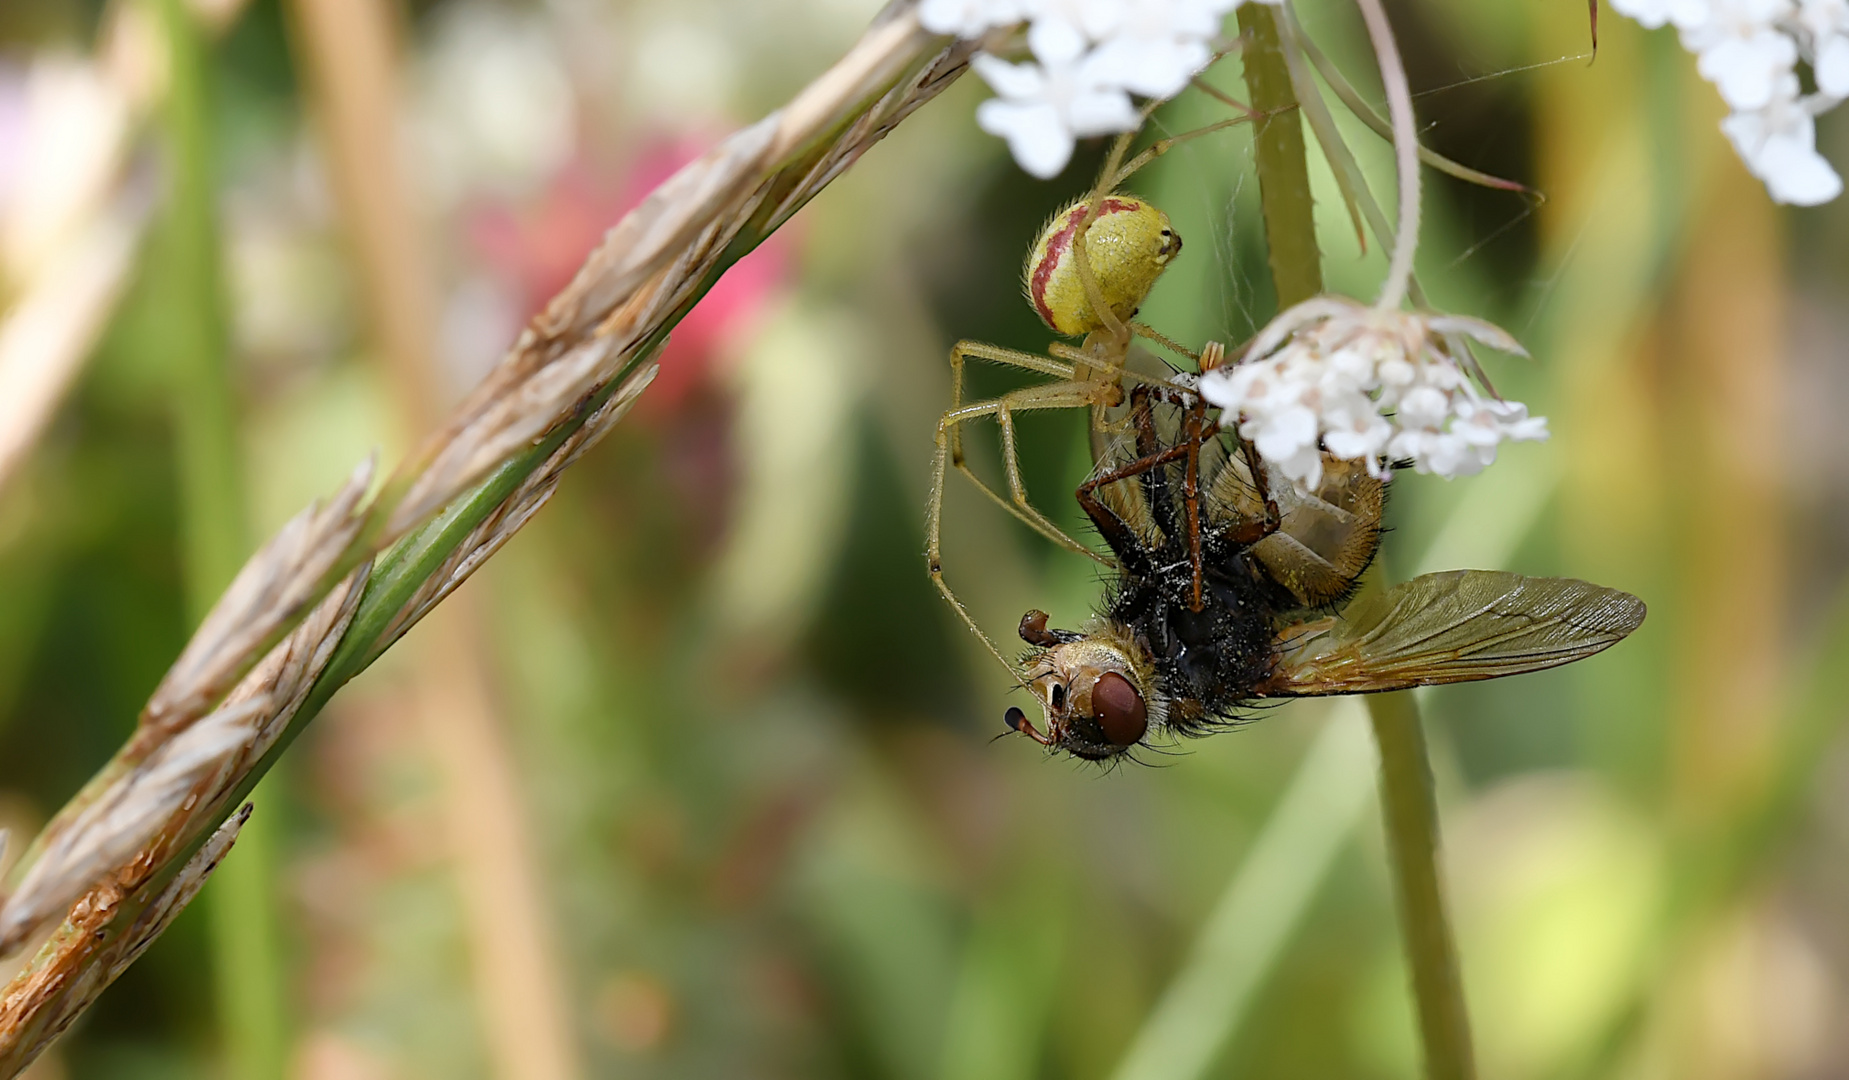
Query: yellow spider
[{"x": 1087, "y": 274}]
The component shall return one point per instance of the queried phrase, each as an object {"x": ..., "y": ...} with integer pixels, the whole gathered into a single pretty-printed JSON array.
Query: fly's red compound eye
[{"x": 1120, "y": 709}]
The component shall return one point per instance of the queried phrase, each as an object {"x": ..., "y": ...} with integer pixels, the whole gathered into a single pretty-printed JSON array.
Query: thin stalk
[
  {"x": 1365, "y": 113},
  {"x": 1283, "y": 168},
  {"x": 1298, "y": 47},
  {"x": 246, "y": 956},
  {"x": 1405, "y": 152},
  {"x": 1411, "y": 815},
  {"x": 1406, "y": 792},
  {"x": 1264, "y": 904}
]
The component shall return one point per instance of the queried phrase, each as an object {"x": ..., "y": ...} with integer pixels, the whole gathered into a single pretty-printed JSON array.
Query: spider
[{"x": 1086, "y": 275}]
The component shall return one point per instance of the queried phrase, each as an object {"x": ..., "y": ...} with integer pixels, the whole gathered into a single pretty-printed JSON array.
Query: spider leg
[
  {"x": 995, "y": 354},
  {"x": 1162, "y": 146},
  {"x": 1253, "y": 531},
  {"x": 1143, "y": 331},
  {"x": 1059, "y": 395}
]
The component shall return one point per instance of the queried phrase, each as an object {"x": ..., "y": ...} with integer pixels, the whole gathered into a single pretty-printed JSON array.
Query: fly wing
[{"x": 1456, "y": 626}]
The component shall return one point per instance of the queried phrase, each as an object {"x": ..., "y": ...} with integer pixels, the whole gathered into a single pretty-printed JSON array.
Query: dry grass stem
[
  {"x": 521, "y": 991},
  {"x": 508, "y": 518},
  {"x": 41, "y": 1003},
  {"x": 269, "y": 593},
  {"x": 567, "y": 380},
  {"x": 153, "y": 806}
]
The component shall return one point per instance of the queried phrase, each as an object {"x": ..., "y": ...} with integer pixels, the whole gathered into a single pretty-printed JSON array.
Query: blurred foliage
[{"x": 775, "y": 835}]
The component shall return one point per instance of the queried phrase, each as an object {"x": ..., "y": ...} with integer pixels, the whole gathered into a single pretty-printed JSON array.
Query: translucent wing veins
[{"x": 1455, "y": 626}]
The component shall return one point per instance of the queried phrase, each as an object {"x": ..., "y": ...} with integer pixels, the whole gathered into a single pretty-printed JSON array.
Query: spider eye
[
  {"x": 1058, "y": 696},
  {"x": 1121, "y": 712}
]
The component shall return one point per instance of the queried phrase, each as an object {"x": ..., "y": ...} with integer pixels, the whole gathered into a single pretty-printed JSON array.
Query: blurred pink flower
[{"x": 536, "y": 250}]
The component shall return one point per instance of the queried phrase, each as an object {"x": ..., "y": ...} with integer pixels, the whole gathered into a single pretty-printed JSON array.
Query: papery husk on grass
[{"x": 135, "y": 844}]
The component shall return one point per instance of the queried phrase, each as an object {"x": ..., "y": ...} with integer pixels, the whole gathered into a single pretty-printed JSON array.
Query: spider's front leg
[
  {"x": 1059, "y": 395},
  {"x": 995, "y": 354}
]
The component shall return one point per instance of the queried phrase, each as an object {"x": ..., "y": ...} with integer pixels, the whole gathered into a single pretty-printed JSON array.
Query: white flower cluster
[
  {"x": 1332, "y": 374},
  {"x": 1749, "y": 49},
  {"x": 1089, "y": 57}
]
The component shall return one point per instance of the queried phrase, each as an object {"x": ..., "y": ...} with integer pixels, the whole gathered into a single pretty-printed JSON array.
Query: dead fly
[
  {"x": 1227, "y": 583},
  {"x": 1230, "y": 585}
]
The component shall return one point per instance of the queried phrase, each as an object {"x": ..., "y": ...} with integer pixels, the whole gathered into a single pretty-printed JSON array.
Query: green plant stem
[
  {"x": 1412, "y": 839},
  {"x": 1283, "y": 168},
  {"x": 1406, "y": 791},
  {"x": 1239, "y": 945},
  {"x": 215, "y": 540}
]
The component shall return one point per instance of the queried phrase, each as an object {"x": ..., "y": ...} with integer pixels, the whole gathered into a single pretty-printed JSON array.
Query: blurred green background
[{"x": 698, "y": 779}]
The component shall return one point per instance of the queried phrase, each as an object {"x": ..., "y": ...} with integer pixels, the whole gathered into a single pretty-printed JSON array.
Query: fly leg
[
  {"x": 1196, "y": 430},
  {"x": 1155, "y": 481},
  {"x": 1251, "y": 532},
  {"x": 1116, "y": 533},
  {"x": 1199, "y": 430}
]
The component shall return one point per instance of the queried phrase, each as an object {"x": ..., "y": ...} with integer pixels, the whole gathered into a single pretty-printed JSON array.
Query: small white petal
[
  {"x": 1009, "y": 80},
  {"x": 1101, "y": 112},
  {"x": 1153, "y": 68},
  {"x": 1229, "y": 387},
  {"x": 1796, "y": 173},
  {"x": 1305, "y": 467},
  {"x": 1360, "y": 437},
  {"x": 1424, "y": 406},
  {"x": 1833, "y": 66},
  {"x": 1651, "y": 13},
  {"x": 1286, "y": 432},
  {"x": 1486, "y": 332},
  {"x": 1036, "y": 136},
  {"x": 1355, "y": 365},
  {"x": 1746, "y": 69},
  {"x": 1055, "y": 40},
  {"x": 968, "y": 18},
  {"x": 1532, "y": 429},
  {"x": 1397, "y": 372}
]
